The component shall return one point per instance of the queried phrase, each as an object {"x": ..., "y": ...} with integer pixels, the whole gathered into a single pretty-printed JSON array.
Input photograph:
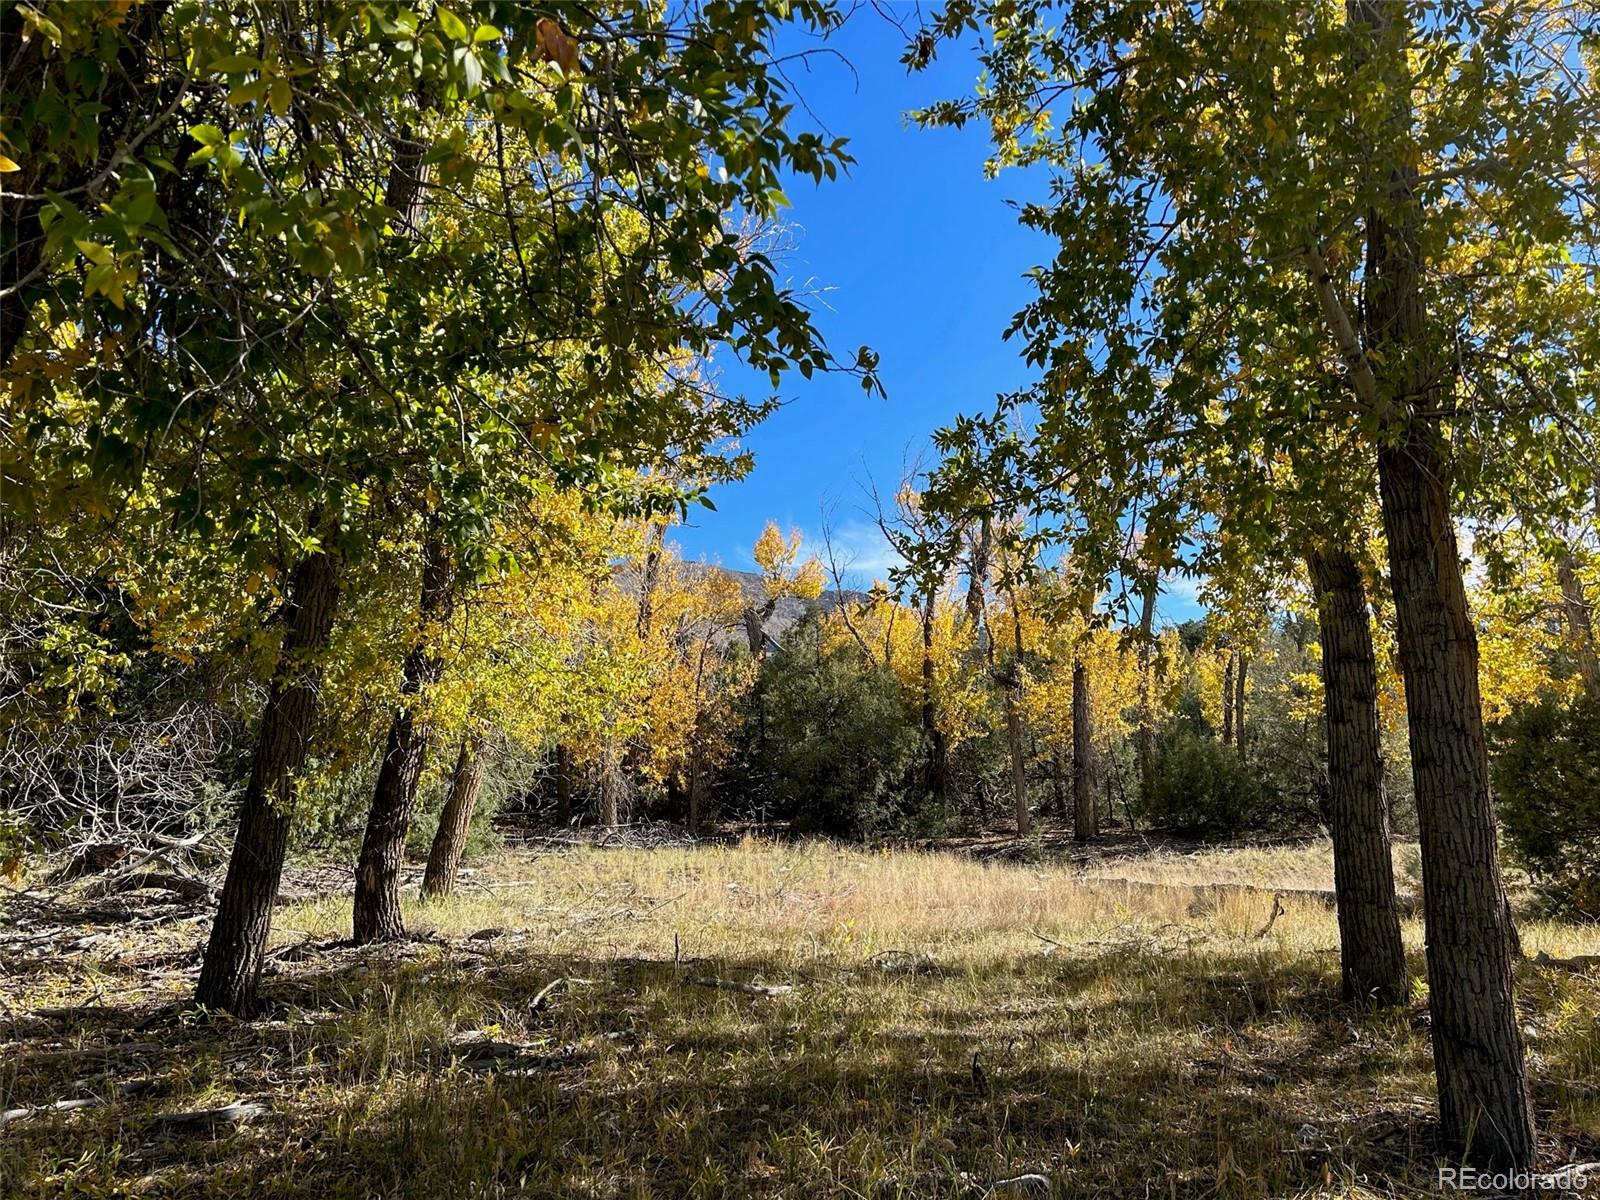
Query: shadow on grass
[{"x": 1122, "y": 1073}]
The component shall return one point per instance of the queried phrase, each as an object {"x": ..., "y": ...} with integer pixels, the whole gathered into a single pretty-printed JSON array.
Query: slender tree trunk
[
  {"x": 1019, "y": 760},
  {"x": 1085, "y": 794},
  {"x": 1227, "y": 702},
  {"x": 1147, "y": 721},
  {"x": 394, "y": 800},
  {"x": 1580, "y": 627},
  {"x": 563, "y": 785},
  {"x": 1238, "y": 702},
  {"x": 610, "y": 786},
  {"x": 697, "y": 787},
  {"x": 654, "y": 540},
  {"x": 1058, "y": 781},
  {"x": 936, "y": 779},
  {"x": 444, "y": 859},
  {"x": 232, "y": 964},
  {"x": 1372, "y": 957}
]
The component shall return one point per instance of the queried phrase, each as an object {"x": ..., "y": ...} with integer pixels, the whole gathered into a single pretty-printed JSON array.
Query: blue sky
[{"x": 919, "y": 256}]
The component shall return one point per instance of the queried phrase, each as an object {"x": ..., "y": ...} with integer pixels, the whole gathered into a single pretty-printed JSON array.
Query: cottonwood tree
[
  {"x": 260, "y": 300},
  {"x": 1273, "y": 160}
]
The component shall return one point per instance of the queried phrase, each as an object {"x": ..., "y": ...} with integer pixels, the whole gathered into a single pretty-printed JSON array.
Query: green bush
[
  {"x": 1547, "y": 777},
  {"x": 839, "y": 742},
  {"x": 1201, "y": 787}
]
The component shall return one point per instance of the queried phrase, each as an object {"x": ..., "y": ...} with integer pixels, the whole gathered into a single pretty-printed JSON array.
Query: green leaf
[
  {"x": 454, "y": 27},
  {"x": 232, "y": 64}
]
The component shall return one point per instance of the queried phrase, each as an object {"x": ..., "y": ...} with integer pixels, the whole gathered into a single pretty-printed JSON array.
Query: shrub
[
  {"x": 1547, "y": 777},
  {"x": 838, "y": 739},
  {"x": 1202, "y": 788}
]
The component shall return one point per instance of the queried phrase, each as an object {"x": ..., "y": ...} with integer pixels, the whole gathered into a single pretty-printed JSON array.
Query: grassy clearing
[{"x": 1129, "y": 1042}]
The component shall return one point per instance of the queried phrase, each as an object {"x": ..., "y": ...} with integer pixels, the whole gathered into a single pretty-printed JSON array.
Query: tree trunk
[
  {"x": 232, "y": 964},
  {"x": 650, "y": 575},
  {"x": 697, "y": 787},
  {"x": 377, "y": 900},
  {"x": 1478, "y": 1054},
  {"x": 610, "y": 786},
  {"x": 1227, "y": 702},
  {"x": 1477, "y": 1047},
  {"x": 1238, "y": 702},
  {"x": 1371, "y": 955},
  {"x": 1085, "y": 803},
  {"x": 1019, "y": 761},
  {"x": 937, "y": 771},
  {"x": 563, "y": 785},
  {"x": 1580, "y": 627},
  {"x": 1147, "y": 729},
  {"x": 451, "y": 839},
  {"x": 1484, "y": 1111},
  {"x": 1058, "y": 778}
]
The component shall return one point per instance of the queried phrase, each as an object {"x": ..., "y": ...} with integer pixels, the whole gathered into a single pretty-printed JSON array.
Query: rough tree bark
[
  {"x": 1085, "y": 795},
  {"x": 232, "y": 964},
  {"x": 1371, "y": 956},
  {"x": 1580, "y": 625},
  {"x": 1478, "y": 1054},
  {"x": 377, "y": 901},
  {"x": 444, "y": 859}
]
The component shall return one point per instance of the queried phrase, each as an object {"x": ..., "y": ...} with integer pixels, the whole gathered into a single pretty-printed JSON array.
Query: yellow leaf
[{"x": 7, "y": 165}]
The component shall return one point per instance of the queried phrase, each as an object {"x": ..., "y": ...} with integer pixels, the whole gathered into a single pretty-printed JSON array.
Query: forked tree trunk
[
  {"x": 1580, "y": 625},
  {"x": 377, "y": 914},
  {"x": 444, "y": 859},
  {"x": 1484, "y": 1111},
  {"x": 232, "y": 964},
  {"x": 1085, "y": 795},
  {"x": 1227, "y": 702},
  {"x": 1371, "y": 956}
]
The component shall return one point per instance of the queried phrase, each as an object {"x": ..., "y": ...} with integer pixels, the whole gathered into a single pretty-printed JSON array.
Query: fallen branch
[
  {"x": 202, "y": 1120},
  {"x": 749, "y": 989},
  {"x": 1578, "y": 962},
  {"x": 20, "y": 1114}
]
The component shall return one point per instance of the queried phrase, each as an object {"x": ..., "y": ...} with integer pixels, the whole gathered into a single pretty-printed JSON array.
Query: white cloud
[{"x": 860, "y": 550}]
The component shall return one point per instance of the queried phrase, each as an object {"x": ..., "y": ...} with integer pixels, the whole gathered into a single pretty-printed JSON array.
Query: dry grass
[{"x": 1132, "y": 1041}]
